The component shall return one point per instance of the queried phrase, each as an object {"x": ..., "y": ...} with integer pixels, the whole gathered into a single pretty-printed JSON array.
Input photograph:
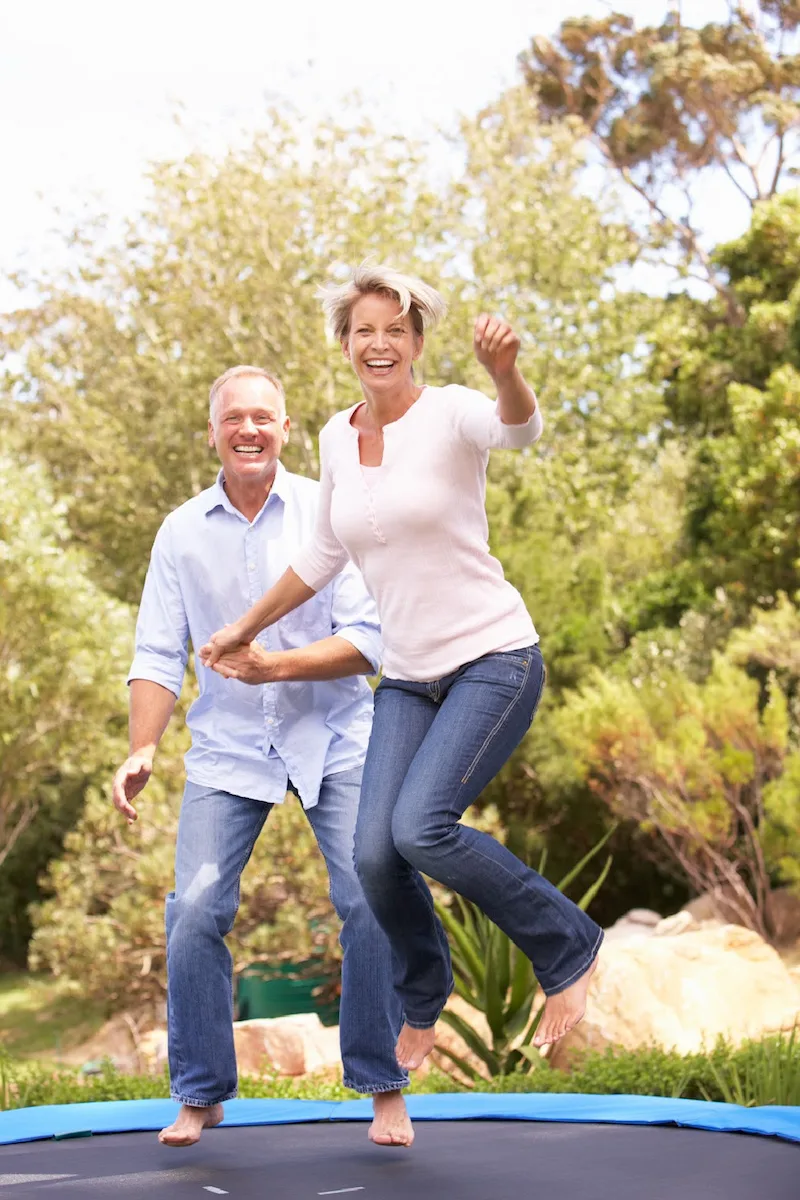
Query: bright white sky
[{"x": 88, "y": 88}]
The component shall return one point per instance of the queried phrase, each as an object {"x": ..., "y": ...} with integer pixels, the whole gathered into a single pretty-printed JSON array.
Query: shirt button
[{"x": 251, "y": 566}]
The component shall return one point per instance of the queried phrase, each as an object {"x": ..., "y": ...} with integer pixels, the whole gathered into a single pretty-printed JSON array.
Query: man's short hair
[{"x": 243, "y": 372}]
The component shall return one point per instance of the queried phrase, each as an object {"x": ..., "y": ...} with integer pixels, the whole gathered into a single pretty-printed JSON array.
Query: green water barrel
[{"x": 274, "y": 990}]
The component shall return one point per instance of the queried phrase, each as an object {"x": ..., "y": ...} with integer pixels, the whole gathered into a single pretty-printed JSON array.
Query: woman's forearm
[
  {"x": 516, "y": 401},
  {"x": 284, "y": 597}
]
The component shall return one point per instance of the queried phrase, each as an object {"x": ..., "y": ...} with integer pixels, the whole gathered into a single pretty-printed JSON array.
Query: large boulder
[
  {"x": 638, "y": 923},
  {"x": 294, "y": 1045},
  {"x": 682, "y": 988},
  {"x": 782, "y": 911}
]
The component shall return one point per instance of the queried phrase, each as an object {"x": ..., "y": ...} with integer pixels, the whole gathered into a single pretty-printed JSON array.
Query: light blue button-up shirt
[{"x": 208, "y": 565}]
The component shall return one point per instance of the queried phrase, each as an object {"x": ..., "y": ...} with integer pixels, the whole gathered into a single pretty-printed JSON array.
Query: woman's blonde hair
[{"x": 424, "y": 303}]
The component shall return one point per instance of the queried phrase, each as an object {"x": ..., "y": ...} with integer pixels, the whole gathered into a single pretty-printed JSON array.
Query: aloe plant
[{"x": 494, "y": 977}]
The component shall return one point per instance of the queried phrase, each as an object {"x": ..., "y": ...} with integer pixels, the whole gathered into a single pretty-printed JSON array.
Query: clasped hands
[{"x": 231, "y": 654}]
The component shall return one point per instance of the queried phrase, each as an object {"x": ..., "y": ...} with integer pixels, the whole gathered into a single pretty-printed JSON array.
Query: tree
[
  {"x": 64, "y": 649},
  {"x": 709, "y": 767},
  {"x": 735, "y": 395},
  {"x": 668, "y": 102},
  {"x": 221, "y": 268},
  {"x": 226, "y": 261},
  {"x": 103, "y": 923}
]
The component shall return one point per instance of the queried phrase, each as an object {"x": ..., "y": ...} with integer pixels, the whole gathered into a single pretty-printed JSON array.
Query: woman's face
[{"x": 381, "y": 344}]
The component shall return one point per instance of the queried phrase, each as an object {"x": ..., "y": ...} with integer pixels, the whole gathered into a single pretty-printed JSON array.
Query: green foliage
[
  {"x": 29, "y": 1085},
  {"x": 40, "y": 1015},
  {"x": 706, "y": 766},
  {"x": 496, "y": 979},
  {"x": 754, "y": 1073},
  {"x": 64, "y": 650},
  {"x": 667, "y": 102},
  {"x": 104, "y": 924},
  {"x": 765, "y": 1072}
]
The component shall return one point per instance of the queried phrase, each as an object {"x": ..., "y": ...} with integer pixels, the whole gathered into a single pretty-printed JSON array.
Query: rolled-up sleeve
[
  {"x": 355, "y": 617},
  {"x": 324, "y": 556},
  {"x": 162, "y": 627},
  {"x": 478, "y": 421}
]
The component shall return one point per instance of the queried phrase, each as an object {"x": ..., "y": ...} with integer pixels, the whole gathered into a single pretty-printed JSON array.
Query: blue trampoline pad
[{"x": 471, "y": 1147}]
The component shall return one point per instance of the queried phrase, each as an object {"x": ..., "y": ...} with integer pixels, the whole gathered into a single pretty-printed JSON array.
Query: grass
[
  {"x": 754, "y": 1073},
  {"x": 42, "y": 1017}
]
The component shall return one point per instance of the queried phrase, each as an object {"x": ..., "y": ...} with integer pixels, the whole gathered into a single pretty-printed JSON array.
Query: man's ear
[
  {"x": 212, "y": 444},
  {"x": 287, "y": 425}
]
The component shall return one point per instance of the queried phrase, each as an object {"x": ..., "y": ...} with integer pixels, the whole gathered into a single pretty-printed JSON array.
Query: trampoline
[{"x": 486, "y": 1147}]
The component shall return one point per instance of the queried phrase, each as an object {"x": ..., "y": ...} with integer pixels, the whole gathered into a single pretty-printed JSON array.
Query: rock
[
  {"x": 783, "y": 912},
  {"x": 153, "y": 1049},
  {"x": 637, "y": 923},
  {"x": 683, "y": 990},
  {"x": 679, "y": 922},
  {"x": 289, "y": 1045},
  {"x": 794, "y": 972}
]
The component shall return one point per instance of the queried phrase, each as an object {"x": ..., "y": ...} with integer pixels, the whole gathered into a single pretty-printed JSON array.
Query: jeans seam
[
  {"x": 193, "y": 1102},
  {"x": 549, "y": 899},
  {"x": 560, "y": 987},
  {"x": 370, "y": 1089},
  {"x": 497, "y": 726},
  {"x": 244, "y": 862}
]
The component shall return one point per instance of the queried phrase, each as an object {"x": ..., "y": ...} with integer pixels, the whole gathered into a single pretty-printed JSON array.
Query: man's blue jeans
[
  {"x": 434, "y": 747},
  {"x": 216, "y": 835}
]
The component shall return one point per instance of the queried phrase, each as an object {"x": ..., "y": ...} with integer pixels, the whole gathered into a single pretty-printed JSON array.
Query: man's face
[{"x": 248, "y": 429}]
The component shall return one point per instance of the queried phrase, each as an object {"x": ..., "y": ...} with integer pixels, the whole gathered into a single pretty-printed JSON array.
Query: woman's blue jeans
[{"x": 434, "y": 748}]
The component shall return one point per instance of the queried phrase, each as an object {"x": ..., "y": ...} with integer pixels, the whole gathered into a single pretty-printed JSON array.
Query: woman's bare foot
[
  {"x": 564, "y": 1011},
  {"x": 392, "y": 1124},
  {"x": 190, "y": 1124},
  {"x": 414, "y": 1046}
]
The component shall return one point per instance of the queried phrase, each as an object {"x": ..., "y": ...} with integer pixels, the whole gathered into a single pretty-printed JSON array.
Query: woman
[{"x": 403, "y": 476}]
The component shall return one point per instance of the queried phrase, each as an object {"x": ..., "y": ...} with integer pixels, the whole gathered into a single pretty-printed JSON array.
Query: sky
[{"x": 89, "y": 88}]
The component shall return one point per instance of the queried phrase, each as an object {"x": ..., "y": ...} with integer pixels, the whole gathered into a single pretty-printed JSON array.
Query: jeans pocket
[{"x": 523, "y": 667}]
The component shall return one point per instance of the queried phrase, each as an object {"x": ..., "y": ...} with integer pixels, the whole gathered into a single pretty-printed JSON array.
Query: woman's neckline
[{"x": 389, "y": 424}]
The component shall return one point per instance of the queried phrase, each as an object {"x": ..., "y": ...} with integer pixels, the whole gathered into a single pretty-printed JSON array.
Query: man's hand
[
  {"x": 249, "y": 664},
  {"x": 495, "y": 345},
  {"x": 129, "y": 780},
  {"x": 225, "y": 640}
]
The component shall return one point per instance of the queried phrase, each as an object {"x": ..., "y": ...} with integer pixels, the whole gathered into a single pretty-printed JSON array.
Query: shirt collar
[{"x": 217, "y": 497}]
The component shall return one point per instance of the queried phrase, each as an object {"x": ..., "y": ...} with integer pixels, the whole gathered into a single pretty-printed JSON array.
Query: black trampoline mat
[{"x": 462, "y": 1160}]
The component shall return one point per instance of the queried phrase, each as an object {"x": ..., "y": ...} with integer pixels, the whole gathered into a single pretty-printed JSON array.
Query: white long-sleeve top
[{"x": 416, "y": 528}]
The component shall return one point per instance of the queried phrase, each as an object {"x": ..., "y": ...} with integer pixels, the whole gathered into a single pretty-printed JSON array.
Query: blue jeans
[
  {"x": 434, "y": 747},
  {"x": 216, "y": 835}
]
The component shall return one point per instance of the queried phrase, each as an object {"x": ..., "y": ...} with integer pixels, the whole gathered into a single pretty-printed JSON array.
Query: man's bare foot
[
  {"x": 190, "y": 1124},
  {"x": 564, "y": 1011},
  {"x": 414, "y": 1046},
  {"x": 392, "y": 1124}
]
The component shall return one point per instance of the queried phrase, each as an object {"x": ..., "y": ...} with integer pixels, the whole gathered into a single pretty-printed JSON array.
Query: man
[{"x": 303, "y": 727}]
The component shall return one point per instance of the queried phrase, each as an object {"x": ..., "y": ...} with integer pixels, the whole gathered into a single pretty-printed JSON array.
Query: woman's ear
[{"x": 419, "y": 346}]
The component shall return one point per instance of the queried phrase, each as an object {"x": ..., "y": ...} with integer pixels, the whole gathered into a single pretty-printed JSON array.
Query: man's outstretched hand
[
  {"x": 249, "y": 664},
  {"x": 129, "y": 780}
]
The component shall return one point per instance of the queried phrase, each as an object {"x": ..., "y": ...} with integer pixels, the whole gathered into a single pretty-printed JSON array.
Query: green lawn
[{"x": 43, "y": 1017}]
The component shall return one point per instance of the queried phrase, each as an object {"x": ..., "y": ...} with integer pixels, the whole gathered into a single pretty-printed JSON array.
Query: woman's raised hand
[{"x": 495, "y": 345}]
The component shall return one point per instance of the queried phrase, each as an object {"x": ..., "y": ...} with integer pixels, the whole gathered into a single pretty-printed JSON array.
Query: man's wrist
[
  {"x": 275, "y": 667},
  {"x": 147, "y": 751}
]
